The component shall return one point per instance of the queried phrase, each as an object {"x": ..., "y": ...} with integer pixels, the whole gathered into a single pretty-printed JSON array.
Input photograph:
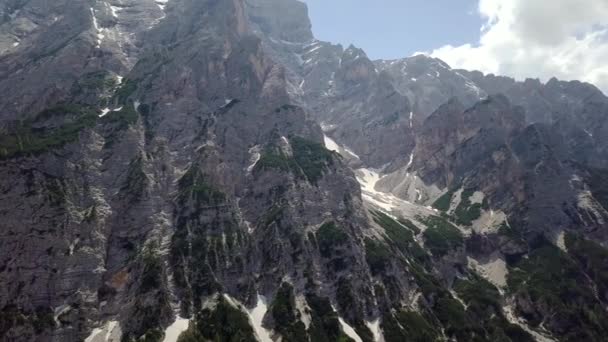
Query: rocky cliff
[{"x": 206, "y": 170}]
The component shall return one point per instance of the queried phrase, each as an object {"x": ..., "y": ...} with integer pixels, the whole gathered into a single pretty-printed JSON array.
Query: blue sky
[{"x": 395, "y": 28}]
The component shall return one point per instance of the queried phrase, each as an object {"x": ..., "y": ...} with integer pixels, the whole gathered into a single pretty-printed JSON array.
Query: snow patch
[
  {"x": 104, "y": 112},
  {"x": 330, "y": 144},
  {"x": 255, "y": 156},
  {"x": 410, "y": 162},
  {"x": 561, "y": 241},
  {"x": 455, "y": 201},
  {"x": 256, "y": 315},
  {"x": 587, "y": 202},
  {"x": 348, "y": 330},
  {"x": 99, "y": 30},
  {"x": 110, "y": 332},
  {"x": 374, "y": 326},
  {"x": 411, "y": 119},
  {"x": 302, "y": 307},
  {"x": 368, "y": 179},
  {"x": 177, "y": 328},
  {"x": 161, "y": 4}
]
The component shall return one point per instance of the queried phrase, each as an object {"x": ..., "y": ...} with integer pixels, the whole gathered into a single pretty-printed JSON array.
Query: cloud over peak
[{"x": 567, "y": 39}]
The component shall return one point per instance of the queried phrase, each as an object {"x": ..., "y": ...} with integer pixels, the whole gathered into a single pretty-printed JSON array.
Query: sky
[{"x": 567, "y": 39}]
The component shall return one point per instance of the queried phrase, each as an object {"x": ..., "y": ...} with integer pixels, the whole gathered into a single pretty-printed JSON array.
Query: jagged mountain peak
[{"x": 208, "y": 170}]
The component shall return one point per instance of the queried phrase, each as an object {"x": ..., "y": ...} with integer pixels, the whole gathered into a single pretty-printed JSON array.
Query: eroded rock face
[{"x": 165, "y": 159}]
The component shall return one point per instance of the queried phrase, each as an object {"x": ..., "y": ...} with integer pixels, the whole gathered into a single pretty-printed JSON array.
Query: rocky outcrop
[{"x": 163, "y": 162}]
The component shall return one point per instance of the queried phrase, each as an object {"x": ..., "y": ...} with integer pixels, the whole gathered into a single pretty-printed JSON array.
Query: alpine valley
[{"x": 206, "y": 170}]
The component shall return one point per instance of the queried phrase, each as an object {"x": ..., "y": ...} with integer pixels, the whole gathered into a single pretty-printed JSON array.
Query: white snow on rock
[
  {"x": 110, "y": 332},
  {"x": 114, "y": 10},
  {"x": 374, "y": 327},
  {"x": 410, "y": 162},
  {"x": 587, "y": 202},
  {"x": 104, "y": 112},
  {"x": 561, "y": 241},
  {"x": 303, "y": 309},
  {"x": 455, "y": 200},
  {"x": 386, "y": 201},
  {"x": 330, "y": 144},
  {"x": 368, "y": 179},
  {"x": 256, "y": 315},
  {"x": 99, "y": 30},
  {"x": 161, "y": 4},
  {"x": 177, "y": 328},
  {"x": 255, "y": 156},
  {"x": 348, "y": 330}
]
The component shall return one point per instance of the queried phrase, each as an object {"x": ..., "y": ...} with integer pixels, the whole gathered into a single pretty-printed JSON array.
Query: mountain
[{"x": 206, "y": 170}]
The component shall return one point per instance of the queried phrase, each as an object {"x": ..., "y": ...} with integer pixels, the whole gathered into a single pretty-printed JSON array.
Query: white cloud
[{"x": 567, "y": 39}]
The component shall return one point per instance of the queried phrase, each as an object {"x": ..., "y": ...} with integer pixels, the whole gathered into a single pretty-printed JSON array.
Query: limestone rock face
[{"x": 211, "y": 162}]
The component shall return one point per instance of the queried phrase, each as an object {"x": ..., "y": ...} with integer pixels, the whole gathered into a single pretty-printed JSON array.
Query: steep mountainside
[{"x": 206, "y": 170}]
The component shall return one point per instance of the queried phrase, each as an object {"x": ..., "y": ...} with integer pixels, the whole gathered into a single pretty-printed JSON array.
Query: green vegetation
[
  {"x": 483, "y": 302},
  {"x": 204, "y": 223},
  {"x": 480, "y": 296},
  {"x": 136, "y": 182},
  {"x": 410, "y": 225},
  {"x": 559, "y": 292},
  {"x": 94, "y": 82},
  {"x": 35, "y": 136},
  {"x": 309, "y": 160},
  {"x": 125, "y": 91},
  {"x": 377, "y": 255},
  {"x": 283, "y": 310},
  {"x": 347, "y": 302},
  {"x": 465, "y": 213},
  {"x": 598, "y": 183},
  {"x": 193, "y": 186},
  {"x": 511, "y": 232},
  {"x": 402, "y": 237},
  {"x": 123, "y": 118},
  {"x": 222, "y": 323},
  {"x": 443, "y": 202},
  {"x": 456, "y": 321},
  {"x": 152, "y": 302},
  {"x": 441, "y": 237},
  {"x": 313, "y": 158},
  {"x": 276, "y": 159},
  {"x": 329, "y": 236},
  {"x": 38, "y": 320},
  {"x": 407, "y": 326},
  {"x": 152, "y": 273},
  {"x": 153, "y": 335},
  {"x": 593, "y": 258},
  {"x": 324, "y": 326}
]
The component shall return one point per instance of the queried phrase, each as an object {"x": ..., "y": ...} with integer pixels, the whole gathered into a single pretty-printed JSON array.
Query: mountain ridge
[{"x": 175, "y": 183}]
